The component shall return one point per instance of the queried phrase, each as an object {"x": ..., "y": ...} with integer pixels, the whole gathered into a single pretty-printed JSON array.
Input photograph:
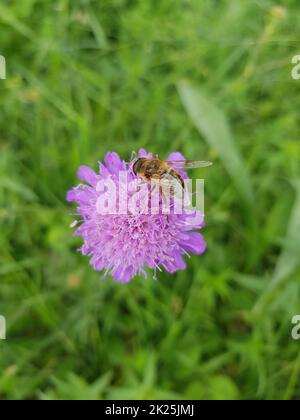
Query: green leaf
[
  {"x": 18, "y": 188},
  {"x": 212, "y": 124},
  {"x": 222, "y": 388},
  {"x": 76, "y": 388}
]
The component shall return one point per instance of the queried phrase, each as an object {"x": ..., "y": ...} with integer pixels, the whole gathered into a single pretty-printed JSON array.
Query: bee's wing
[{"x": 189, "y": 164}]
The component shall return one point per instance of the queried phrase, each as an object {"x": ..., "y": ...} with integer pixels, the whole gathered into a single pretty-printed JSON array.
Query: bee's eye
[{"x": 136, "y": 167}]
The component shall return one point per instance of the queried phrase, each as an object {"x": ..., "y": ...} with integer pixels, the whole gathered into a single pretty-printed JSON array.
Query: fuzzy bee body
[
  {"x": 163, "y": 173},
  {"x": 155, "y": 170}
]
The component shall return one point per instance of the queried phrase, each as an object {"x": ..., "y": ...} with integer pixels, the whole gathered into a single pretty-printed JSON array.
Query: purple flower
[{"x": 124, "y": 244}]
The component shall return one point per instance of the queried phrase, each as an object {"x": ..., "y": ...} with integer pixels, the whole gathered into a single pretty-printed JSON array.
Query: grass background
[{"x": 209, "y": 78}]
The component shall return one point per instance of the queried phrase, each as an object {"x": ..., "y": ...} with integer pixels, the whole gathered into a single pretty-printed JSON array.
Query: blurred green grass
[{"x": 209, "y": 78}]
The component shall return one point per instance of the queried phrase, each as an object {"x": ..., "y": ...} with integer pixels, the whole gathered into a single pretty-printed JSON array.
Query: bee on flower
[{"x": 124, "y": 243}]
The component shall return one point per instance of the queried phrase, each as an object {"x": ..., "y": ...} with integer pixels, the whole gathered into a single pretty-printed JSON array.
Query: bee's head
[{"x": 137, "y": 165}]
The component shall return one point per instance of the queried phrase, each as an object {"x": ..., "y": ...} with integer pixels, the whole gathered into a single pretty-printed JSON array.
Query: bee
[{"x": 164, "y": 173}]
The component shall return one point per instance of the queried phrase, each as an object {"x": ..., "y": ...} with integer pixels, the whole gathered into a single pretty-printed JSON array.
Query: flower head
[{"x": 124, "y": 244}]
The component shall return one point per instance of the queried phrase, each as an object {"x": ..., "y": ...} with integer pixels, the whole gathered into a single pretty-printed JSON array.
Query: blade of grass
[
  {"x": 18, "y": 188},
  {"x": 7, "y": 16},
  {"x": 212, "y": 124},
  {"x": 98, "y": 30},
  {"x": 288, "y": 261}
]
